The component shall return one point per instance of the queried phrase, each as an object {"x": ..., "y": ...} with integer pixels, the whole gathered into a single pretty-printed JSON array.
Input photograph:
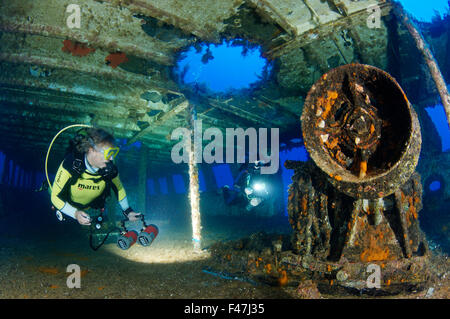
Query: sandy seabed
[
  {"x": 36, "y": 268},
  {"x": 170, "y": 268}
]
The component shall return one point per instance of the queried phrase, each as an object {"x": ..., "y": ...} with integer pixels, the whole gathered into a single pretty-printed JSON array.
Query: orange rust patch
[
  {"x": 304, "y": 204},
  {"x": 328, "y": 103},
  {"x": 320, "y": 101},
  {"x": 376, "y": 251},
  {"x": 363, "y": 168},
  {"x": 332, "y": 95},
  {"x": 333, "y": 143},
  {"x": 48, "y": 270},
  {"x": 115, "y": 59},
  {"x": 77, "y": 49},
  {"x": 282, "y": 281},
  {"x": 413, "y": 211}
]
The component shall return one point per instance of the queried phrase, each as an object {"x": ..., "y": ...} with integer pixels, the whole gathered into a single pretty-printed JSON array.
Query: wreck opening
[
  {"x": 426, "y": 13},
  {"x": 434, "y": 186},
  {"x": 437, "y": 115},
  {"x": 224, "y": 68}
]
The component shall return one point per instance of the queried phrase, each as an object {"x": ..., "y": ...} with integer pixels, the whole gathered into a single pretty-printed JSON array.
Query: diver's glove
[
  {"x": 127, "y": 211},
  {"x": 132, "y": 217}
]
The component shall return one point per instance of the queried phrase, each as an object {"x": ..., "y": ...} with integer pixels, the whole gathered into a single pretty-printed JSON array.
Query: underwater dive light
[
  {"x": 148, "y": 235},
  {"x": 255, "y": 201},
  {"x": 259, "y": 186}
]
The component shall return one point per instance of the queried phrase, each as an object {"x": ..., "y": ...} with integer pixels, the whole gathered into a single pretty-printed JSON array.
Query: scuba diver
[
  {"x": 246, "y": 189},
  {"x": 84, "y": 180}
]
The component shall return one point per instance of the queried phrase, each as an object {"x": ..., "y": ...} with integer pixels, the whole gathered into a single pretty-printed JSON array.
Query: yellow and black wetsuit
[{"x": 69, "y": 195}]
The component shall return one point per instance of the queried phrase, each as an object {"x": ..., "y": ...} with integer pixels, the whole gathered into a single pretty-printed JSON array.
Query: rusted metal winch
[
  {"x": 361, "y": 130},
  {"x": 357, "y": 201}
]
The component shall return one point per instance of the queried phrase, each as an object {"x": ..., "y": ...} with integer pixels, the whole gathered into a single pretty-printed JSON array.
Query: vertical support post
[
  {"x": 142, "y": 180},
  {"x": 194, "y": 194},
  {"x": 429, "y": 59}
]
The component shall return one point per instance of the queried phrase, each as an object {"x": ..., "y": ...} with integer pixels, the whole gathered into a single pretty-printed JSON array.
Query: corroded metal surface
[
  {"x": 328, "y": 224},
  {"x": 361, "y": 130},
  {"x": 336, "y": 236},
  {"x": 357, "y": 202}
]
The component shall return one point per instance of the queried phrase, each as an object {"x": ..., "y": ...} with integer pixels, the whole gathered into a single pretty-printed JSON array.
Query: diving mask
[{"x": 109, "y": 153}]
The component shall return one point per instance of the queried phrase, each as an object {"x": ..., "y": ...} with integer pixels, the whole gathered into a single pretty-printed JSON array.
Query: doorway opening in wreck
[{"x": 230, "y": 67}]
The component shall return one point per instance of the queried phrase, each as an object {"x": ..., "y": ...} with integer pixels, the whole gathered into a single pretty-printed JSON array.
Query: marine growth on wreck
[{"x": 165, "y": 118}]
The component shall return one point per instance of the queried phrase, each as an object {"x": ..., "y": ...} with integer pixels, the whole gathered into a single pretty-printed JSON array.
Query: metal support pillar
[{"x": 194, "y": 194}]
